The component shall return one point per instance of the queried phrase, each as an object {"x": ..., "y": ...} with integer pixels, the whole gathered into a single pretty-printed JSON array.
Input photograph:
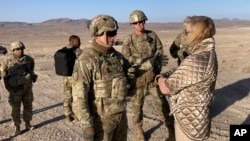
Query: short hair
[{"x": 73, "y": 37}]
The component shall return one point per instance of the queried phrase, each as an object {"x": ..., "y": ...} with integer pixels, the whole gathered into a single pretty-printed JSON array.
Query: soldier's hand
[
  {"x": 153, "y": 59},
  {"x": 28, "y": 76},
  {"x": 146, "y": 65},
  {"x": 89, "y": 133},
  {"x": 164, "y": 60},
  {"x": 132, "y": 72},
  {"x": 34, "y": 78}
]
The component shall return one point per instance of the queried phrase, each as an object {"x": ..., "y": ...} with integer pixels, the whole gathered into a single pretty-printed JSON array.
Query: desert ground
[{"x": 231, "y": 98}]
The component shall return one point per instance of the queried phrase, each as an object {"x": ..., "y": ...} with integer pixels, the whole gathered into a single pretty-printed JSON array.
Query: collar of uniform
[
  {"x": 69, "y": 46},
  {"x": 17, "y": 58},
  {"x": 100, "y": 49}
]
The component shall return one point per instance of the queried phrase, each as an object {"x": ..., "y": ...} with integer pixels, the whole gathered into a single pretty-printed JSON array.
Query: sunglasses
[
  {"x": 18, "y": 49},
  {"x": 140, "y": 22},
  {"x": 111, "y": 33}
]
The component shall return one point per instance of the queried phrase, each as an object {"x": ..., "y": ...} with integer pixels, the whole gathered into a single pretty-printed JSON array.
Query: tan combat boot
[
  {"x": 171, "y": 132},
  {"x": 75, "y": 118},
  {"x": 140, "y": 134},
  {"x": 29, "y": 126},
  {"x": 17, "y": 130},
  {"x": 69, "y": 118}
]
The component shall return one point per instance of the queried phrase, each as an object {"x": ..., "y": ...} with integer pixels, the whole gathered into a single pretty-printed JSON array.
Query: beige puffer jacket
[{"x": 192, "y": 86}]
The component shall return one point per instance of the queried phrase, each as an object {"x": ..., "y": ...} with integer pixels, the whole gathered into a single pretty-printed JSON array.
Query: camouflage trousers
[
  {"x": 18, "y": 96},
  {"x": 159, "y": 101},
  {"x": 111, "y": 128},
  {"x": 67, "y": 96},
  {"x": 67, "y": 103}
]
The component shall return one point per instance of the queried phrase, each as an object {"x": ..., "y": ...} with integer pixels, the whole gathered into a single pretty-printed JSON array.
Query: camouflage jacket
[
  {"x": 138, "y": 49},
  {"x": 192, "y": 86},
  {"x": 99, "y": 85},
  {"x": 14, "y": 71},
  {"x": 177, "y": 49}
]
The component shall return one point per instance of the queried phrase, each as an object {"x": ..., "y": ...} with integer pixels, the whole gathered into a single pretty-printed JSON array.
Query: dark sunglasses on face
[
  {"x": 140, "y": 22},
  {"x": 18, "y": 49},
  {"x": 111, "y": 33}
]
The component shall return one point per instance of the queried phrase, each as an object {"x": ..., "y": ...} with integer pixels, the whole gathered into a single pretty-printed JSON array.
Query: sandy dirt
[{"x": 230, "y": 106}]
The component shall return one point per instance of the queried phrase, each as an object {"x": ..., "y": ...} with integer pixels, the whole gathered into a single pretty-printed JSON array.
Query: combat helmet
[
  {"x": 102, "y": 23},
  {"x": 137, "y": 16},
  {"x": 16, "y": 44}
]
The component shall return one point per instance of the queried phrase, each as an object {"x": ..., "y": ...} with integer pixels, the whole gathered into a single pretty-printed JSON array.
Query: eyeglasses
[
  {"x": 17, "y": 49},
  {"x": 111, "y": 33},
  {"x": 140, "y": 22}
]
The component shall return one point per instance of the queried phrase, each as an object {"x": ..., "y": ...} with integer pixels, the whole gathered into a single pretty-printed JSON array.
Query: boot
[
  {"x": 171, "y": 132},
  {"x": 17, "y": 130},
  {"x": 140, "y": 134},
  {"x": 29, "y": 126},
  {"x": 69, "y": 118},
  {"x": 12, "y": 123},
  {"x": 75, "y": 118}
]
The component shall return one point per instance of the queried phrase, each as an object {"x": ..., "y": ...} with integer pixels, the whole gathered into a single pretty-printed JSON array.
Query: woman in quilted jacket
[{"x": 190, "y": 87}]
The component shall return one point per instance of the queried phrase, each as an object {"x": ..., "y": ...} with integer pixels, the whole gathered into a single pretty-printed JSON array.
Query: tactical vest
[
  {"x": 141, "y": 49},
  {"x": 110, "y": 82},
  {"x": 16, "y": 71},
  {"x": 18, "y": 67}
]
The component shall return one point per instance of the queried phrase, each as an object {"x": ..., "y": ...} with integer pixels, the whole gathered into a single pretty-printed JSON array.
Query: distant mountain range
[{"x": 66, "y": 22}]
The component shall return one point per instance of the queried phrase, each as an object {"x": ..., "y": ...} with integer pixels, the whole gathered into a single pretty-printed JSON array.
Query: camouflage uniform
[
  {"x": 177, "y": 49},
  {"x": 100, "y": 88},
  {"x": 144, "y": 52},
  {"x": 18, "y": 77},
  {"x": 67, "y": 89}
]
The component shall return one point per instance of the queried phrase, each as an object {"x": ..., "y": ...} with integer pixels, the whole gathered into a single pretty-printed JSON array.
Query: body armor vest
[{"x": 110, "y": 81}]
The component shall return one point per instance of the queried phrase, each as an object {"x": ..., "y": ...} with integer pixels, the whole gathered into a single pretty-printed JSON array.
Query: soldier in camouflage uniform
[
  {"x": 3, "y": 51},
  {"x": 144, "y": 51},
  {"x": 74, "y": 42},
  {"x": 177, "y": 48},
  {"x": 18, "y": 74},
  {"x": 100, "y": 85}
]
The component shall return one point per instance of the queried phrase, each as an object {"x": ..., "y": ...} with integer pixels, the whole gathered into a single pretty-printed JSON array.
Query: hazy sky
[{"x": 33, "y": 11}]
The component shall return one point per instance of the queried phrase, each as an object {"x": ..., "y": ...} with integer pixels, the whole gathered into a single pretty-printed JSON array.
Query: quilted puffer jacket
[{"x": 192, "y": 86}]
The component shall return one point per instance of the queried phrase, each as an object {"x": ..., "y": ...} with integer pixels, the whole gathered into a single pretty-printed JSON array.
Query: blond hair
[{"x": 202, "y": 27}]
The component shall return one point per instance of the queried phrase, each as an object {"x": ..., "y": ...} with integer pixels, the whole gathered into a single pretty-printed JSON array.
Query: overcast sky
[{"x": 34, "y": 11}]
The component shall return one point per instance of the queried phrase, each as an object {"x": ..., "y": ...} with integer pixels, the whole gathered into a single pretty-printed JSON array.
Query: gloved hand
[
  {"x": 27, "y": 78},
  {"x": 89, "y": 133},
  {"x": 149, "y": 63},
  {"x": 146, "y": 66},
  {"x": 164, "y": 60},
  {"x": 132, "y": 72},
  {"x": 34, "y": 78},
  {"x": 153, "y": 59}
]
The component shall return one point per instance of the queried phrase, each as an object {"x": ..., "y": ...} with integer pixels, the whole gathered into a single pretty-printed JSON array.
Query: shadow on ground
[
  {"x": 36, "y": 111},
  {"x": 58, "y": 118},
  {"x": 228, "y": 95}
]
